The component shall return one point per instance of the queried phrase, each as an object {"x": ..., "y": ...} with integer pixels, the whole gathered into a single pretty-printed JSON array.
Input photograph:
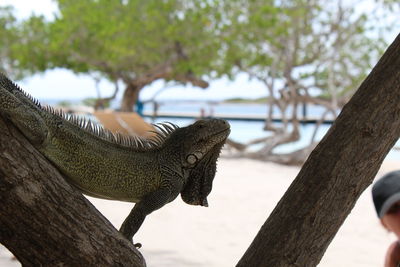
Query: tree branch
[
  {"x": 102, "y": 102},
  {"x": 44, "y": 221},
  {"x": 345, "y": 162}
]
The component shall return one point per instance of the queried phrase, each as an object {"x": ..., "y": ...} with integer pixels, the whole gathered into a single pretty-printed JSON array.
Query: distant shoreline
[{"x": 238, "y": 100}]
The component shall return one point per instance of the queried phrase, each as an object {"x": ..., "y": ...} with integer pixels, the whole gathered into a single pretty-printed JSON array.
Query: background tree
[
  {"x": 304, "y": 52},
  {"x": 136, "y": 42}
]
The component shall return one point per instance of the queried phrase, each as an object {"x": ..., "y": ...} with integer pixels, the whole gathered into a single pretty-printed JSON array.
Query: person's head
[{"x": 386, "y": 197}]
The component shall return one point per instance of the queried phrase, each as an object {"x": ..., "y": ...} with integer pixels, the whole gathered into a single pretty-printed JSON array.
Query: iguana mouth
[
  {"x": 227, "y": 130},
  {"x": 222, "y": 135}
]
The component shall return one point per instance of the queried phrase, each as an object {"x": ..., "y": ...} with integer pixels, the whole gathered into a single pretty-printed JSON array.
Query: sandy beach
[{"x": 244, "y": 193}]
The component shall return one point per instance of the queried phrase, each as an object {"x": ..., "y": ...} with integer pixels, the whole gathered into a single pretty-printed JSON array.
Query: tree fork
[
  {"x": 306, "y": 219},
  {"x": 45, "y": 222}
]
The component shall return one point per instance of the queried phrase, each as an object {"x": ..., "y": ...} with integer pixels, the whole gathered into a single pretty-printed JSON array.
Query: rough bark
[
  {"x": 345, "y": 162},
  {"x": 45, "y": 222}
]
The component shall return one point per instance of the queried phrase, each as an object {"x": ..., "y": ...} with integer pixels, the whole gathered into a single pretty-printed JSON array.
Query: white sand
[{"x": 244, "y": 194}]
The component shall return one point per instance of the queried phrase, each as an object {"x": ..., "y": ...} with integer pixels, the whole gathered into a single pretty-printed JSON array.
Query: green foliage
[
  {"x": 33, "y": 45},
  {"x": 64, "y": 103},
  {"x": 391, "y": 4},
  {"x": 91, "y": 102},
  {"x": 8, "y": 47},
  {"x": 127, "y": 39},
  {"x": 239, "y": 100},
  {"x": 309, "y": 44}
]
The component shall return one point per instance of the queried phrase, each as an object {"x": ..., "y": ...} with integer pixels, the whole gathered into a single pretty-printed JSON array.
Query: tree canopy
[{"x": 136, "y": 42}]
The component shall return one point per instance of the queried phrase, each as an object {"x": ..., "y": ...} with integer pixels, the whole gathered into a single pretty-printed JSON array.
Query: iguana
[{"x": 150, "y": 173}]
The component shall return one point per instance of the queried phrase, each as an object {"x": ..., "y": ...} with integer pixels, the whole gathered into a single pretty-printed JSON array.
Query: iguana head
[{"x": 200, "y": 145}]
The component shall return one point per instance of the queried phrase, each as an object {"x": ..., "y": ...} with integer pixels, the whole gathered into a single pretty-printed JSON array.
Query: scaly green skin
[{"x": 150, "y": 173}]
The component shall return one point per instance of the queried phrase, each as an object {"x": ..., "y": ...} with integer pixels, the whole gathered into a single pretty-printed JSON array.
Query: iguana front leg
[{"x": 151, "y": 202}]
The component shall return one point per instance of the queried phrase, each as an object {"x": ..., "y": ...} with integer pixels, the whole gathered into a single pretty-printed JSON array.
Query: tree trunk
[
  {"x": 164, "y": 71},
  {"x": 130, "y": 97},
  {"x": 345, "y": 162},
  {"x": 45, "y": 222}
]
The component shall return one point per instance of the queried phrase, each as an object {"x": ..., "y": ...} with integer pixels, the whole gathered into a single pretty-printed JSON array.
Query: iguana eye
[{"x": 191, "y": 159}]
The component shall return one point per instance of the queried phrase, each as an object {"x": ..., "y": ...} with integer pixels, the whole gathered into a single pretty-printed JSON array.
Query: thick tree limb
[
  {"x": 45, "y": 222},
  {"x": 345, "y": 162}
]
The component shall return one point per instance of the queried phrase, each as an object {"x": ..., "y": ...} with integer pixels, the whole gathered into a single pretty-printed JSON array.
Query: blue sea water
[
  {"x": 244, "y": 131},
  {"x": 230, "y": 108}
]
